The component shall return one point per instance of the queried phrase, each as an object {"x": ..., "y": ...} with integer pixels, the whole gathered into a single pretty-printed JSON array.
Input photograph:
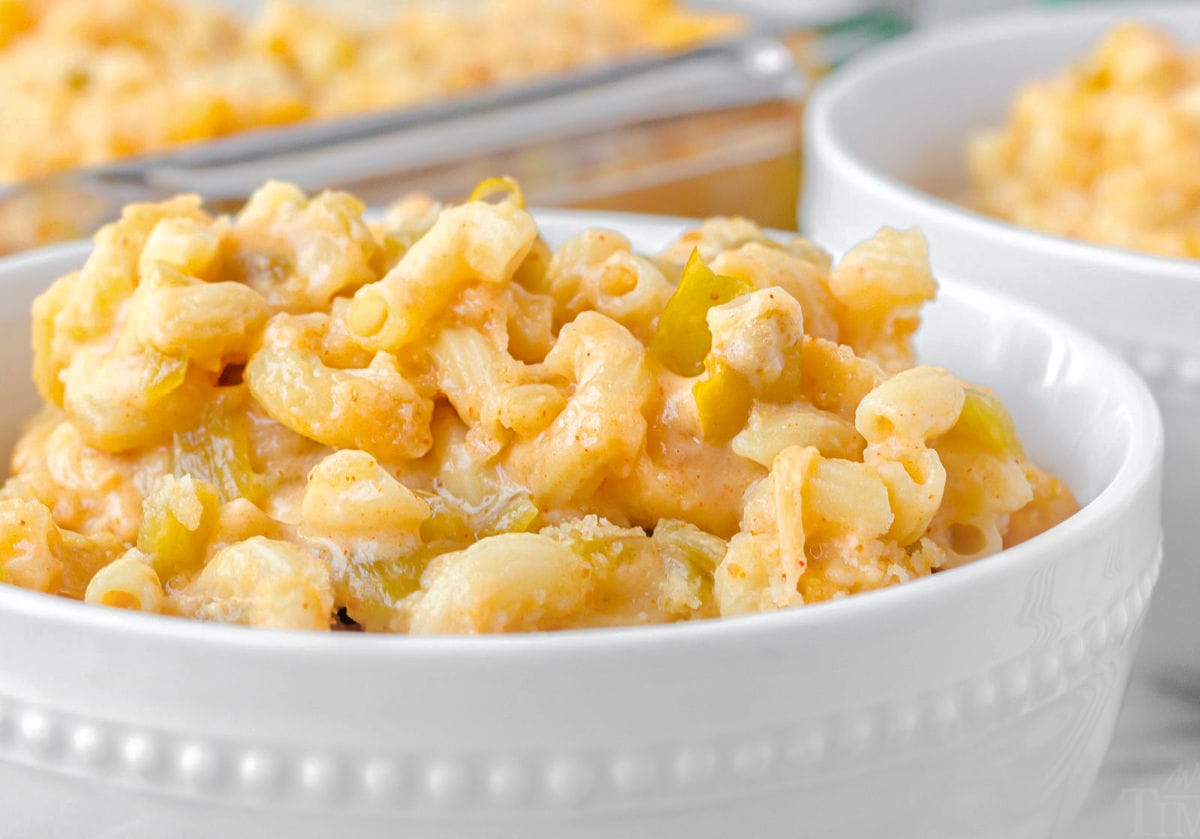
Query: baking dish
[{"x": 714, "y": 129}]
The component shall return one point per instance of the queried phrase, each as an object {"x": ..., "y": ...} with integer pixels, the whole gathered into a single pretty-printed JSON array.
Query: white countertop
[{"x": 1149, "y": 785}]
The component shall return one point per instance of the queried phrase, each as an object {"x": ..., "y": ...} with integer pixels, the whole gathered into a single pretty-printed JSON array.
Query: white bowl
[
  {"x": 996, "y": 685},
  {"x": 886, "y": 136}
]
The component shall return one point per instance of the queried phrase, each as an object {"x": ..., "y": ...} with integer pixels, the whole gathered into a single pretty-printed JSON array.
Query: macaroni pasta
[
  {"x": 85, "y": 81},
  {"x": 296, "y": 418},
  {"x": 1109, "y": 151}
]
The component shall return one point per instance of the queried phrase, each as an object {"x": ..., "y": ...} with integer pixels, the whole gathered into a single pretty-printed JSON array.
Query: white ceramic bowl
[
  {"x": 885, "y": 137},
  {"x": 975, "y": 703}
]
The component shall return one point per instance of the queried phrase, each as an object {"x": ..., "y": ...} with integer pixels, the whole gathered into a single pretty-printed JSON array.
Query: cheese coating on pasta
[{"x": 438, "y": 424}]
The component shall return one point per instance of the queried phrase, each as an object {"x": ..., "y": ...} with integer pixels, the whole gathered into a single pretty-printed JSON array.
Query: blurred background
[{"x": 663, "y": 106}]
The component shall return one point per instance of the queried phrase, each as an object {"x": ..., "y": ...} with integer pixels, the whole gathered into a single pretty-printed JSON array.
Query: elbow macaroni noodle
[{"x": 286, "y": 419}]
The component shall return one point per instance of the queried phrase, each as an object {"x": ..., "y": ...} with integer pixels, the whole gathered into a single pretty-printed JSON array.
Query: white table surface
[{"x": 1149, "y": 785}]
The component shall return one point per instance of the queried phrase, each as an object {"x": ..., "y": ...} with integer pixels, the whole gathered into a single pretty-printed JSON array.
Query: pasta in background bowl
[
  {"x": 1108, "y": 151},
  {"x": 143, "y": 726},
  {"x": 437, "y": 423}
]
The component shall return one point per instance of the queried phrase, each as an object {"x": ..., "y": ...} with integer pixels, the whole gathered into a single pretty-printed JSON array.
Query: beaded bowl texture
[{"x": 997, "y": 684}]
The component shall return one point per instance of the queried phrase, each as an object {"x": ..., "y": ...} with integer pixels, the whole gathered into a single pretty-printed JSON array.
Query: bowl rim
[
  {"x": 823, "y": 138},
  {"x": 1138, "y": 472}
]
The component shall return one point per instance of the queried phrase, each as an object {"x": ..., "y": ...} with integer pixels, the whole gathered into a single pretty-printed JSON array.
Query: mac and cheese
[
  {"x": 86, "y": 81},
  {"x": 437, "y": 423},
  {"x": 1109, "y": 151}
]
